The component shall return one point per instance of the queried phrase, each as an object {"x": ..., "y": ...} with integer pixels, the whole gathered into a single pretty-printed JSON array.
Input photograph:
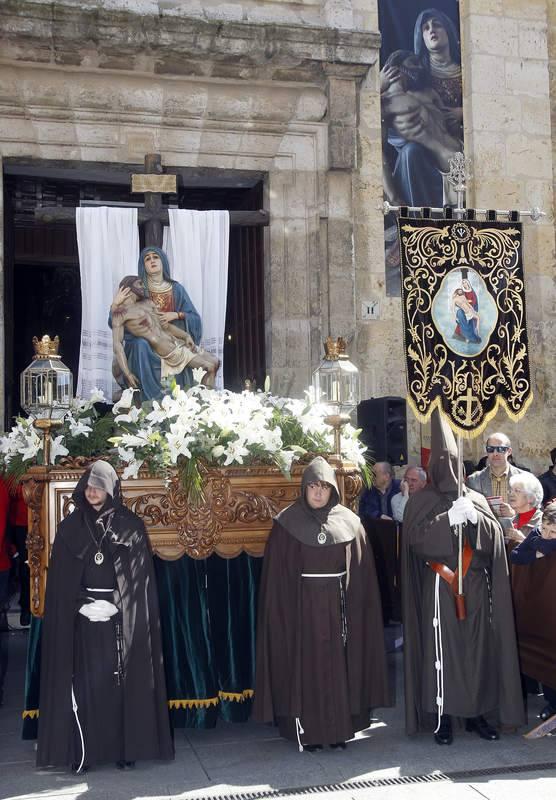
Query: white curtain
[
  {"x": 108, "y": 242},
  {"x": 197, "y": 246}
]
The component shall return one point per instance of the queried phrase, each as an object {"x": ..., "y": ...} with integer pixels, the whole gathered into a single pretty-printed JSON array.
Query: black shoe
[
  {"x": 480, "y": 725},
  {"x": 444, "y": 733},
  {"x": 25, "y": 619},
  {"x": 547, "y": 712},
  {"x": 125, "y": 764},
  {"x": 312, "y": 748},
  {"x": 339, "y": 745}
]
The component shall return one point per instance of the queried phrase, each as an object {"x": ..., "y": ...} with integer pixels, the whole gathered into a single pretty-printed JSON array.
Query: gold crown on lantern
[
  {"x": 332, "y": 348},
  {"x": 46, "y": 347}
]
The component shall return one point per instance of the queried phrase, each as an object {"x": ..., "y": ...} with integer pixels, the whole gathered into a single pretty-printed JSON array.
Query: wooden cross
[{"x": 153, "y": 183}]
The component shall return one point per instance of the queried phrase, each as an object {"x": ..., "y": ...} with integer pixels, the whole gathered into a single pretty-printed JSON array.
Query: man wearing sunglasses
[{"x": 494, "y": 480}]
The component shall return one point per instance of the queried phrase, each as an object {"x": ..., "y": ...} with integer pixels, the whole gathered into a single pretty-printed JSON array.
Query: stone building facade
[{"x": 291, "y": 89}]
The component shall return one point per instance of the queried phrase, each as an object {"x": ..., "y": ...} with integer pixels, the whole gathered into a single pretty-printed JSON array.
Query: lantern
[
  {"x": 46, "y": 388},
  {"x": 336, "y": 385}
]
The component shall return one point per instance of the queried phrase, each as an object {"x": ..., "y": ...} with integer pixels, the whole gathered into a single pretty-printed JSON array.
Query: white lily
[
  {"x": 57, "y": 449},
  {"x": 97, "y": 395},
  {"x": 198, "y": 374},
  {"x": 132, "y": 416},
  {"x": 132, "y": 470},
  {"x": 125, "y": 401},
  {"x": 139, "y": 439},
  {"x": 80, "y": 427},
  {"x": 235, "y": 452},
  {"x": 29, "y": 445}
]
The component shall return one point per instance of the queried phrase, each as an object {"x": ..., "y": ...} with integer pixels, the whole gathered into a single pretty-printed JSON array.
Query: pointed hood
[{"x": 443, "y": 462}]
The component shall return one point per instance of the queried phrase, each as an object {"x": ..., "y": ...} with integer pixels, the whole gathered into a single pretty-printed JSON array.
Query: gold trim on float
[
  {"x": 204, "y": 702},
  {"x": 235, "y": 515}
]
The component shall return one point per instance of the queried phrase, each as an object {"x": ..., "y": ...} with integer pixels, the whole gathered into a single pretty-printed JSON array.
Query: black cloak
[
  {"x": 115, "y": 668},
  {"x": 316, "y": 664},
  {"x": 479, "y": 655}
]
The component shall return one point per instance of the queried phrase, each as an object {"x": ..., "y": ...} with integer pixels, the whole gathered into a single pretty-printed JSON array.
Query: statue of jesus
[
  {"x": 137, "y": 315},
  {"x": 173, "y": 305}
]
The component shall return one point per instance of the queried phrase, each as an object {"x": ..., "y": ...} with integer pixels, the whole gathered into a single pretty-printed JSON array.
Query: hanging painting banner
[
  {"x": 422, "y": 113},
  {"x": 465, "y": 332}
]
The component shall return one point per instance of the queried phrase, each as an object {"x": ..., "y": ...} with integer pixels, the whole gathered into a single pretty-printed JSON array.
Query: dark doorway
[{"x": 42, "y": 283}]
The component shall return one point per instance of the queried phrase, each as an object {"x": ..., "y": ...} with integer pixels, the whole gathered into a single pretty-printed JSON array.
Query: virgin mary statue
[{"x": 174, "y": 305}]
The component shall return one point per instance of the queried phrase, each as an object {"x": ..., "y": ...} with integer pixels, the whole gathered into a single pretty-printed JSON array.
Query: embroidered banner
[{"x": 465, "y": 332}]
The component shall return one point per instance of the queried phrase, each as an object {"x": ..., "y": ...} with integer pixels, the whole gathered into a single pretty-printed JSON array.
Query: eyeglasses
[
  {"x": 497, "y": 448},
  {"x": 319, "y": 485}
]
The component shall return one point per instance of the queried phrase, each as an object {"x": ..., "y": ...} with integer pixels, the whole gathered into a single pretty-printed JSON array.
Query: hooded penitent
[
  {"x": 114, "y": 668},
  {"x": 479, "y": 667},
  {"x": 320, "y": 655}
]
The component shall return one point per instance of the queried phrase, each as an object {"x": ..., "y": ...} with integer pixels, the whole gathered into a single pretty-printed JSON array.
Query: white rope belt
[
  {"x": 323, "y": 574},
  {"x": 88, "y": 589},
  {"x": 438, "y": 653},
  {"x": 81, "y": 738}
]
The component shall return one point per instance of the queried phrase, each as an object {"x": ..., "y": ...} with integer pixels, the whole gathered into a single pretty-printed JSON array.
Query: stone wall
[
  {"x": 291, "y": 89},
  {"x": 508, "y": 85},
  {"x": 93, "y": 82}
]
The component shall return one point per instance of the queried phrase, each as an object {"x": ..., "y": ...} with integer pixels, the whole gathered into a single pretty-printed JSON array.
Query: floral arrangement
[{"x": 185, "y": 428}]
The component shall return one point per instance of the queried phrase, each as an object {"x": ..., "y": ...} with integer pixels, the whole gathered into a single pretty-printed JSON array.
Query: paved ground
[{"x": 248, "y": 761}]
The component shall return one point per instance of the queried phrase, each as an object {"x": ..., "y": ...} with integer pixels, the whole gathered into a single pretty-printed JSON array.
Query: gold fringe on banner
[{"x": 463, "y": 432}]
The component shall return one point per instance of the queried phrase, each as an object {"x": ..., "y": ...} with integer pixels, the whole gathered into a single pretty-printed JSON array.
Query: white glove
[
  {"x": 98, "y": 611},
  {"x": 462, "y": 511}
]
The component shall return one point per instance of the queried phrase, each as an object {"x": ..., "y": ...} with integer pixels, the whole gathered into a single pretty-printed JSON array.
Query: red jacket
[{"x": 5, "y": 561}]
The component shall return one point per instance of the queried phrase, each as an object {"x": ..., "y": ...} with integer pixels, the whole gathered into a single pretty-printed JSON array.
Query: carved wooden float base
[{"x": 235, "y": 516}]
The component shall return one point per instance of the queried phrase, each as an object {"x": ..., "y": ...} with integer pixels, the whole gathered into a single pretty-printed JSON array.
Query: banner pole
[{"x": 460, "y": 527}]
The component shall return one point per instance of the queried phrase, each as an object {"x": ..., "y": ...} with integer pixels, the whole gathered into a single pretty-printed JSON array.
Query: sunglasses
[{"x": 497, "y": 448}]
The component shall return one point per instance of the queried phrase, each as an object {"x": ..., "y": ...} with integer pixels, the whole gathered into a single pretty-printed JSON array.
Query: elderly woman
[
  {"x": 534, "y": 581},
  {"x": 525, "y": 498},
  {"x": 320, "y": 653}
]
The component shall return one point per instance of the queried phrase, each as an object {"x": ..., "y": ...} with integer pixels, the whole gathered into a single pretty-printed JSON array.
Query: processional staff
[{"x": 458, "y": 177}]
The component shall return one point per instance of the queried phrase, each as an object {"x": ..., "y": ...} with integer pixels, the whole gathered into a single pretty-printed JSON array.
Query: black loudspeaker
[{"x": 383, "y": 421}]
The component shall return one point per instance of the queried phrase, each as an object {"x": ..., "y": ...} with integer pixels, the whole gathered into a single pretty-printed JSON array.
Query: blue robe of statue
[
  {"x": 468, "y": 327},
  {"x": 143, "y": 362}
]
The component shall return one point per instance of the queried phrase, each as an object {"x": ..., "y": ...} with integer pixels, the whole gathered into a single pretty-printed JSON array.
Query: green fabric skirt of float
[{"x": 208, "y": 613}]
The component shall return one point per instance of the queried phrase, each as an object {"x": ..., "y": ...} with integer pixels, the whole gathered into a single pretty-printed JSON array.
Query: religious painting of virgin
[
  {"x": 464, "y": 313},
  {"x": 422, "y": 110}
]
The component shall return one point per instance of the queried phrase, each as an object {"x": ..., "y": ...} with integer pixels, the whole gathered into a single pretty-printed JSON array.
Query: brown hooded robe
[
  {"x": 303, "y": 669},
  {"x": 479, "y": 655}
]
